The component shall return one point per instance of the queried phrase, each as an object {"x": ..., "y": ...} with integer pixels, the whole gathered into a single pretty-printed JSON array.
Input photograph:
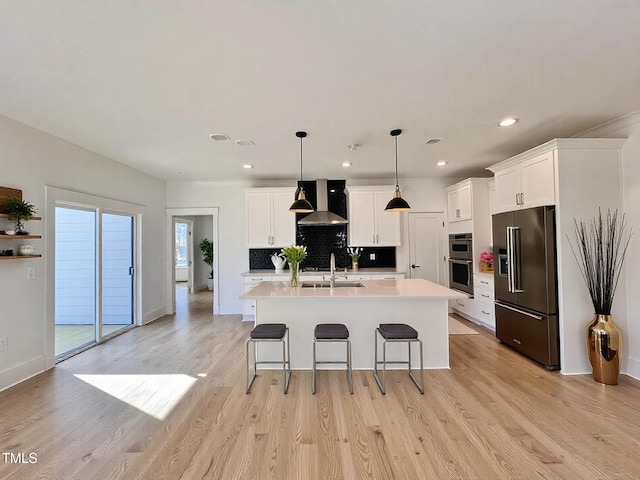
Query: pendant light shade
[
  {"x": 397, "y": 203},
  {"x": 301, "y": 204}
]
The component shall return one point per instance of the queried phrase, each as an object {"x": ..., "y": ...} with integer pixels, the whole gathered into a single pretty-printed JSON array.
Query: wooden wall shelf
[
  {"x": 19, "y": 237},
  {"x": 6, "y": 215},
  {"x": 17, "y": 257}
]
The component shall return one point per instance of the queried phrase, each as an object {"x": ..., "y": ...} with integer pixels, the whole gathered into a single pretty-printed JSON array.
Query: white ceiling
[{"x": 146, "y": 82}]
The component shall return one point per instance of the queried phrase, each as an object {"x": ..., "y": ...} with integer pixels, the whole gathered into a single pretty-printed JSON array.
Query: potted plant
[
  {"x": 206, "y": 247},
  {"x": 601, "y": 249},
  {"x": 354, "y": 253},
  {"x": 18, "y": 212}
]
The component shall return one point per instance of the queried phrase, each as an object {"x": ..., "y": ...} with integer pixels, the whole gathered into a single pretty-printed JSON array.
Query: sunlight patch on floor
[{"x": 155, "y": 395}]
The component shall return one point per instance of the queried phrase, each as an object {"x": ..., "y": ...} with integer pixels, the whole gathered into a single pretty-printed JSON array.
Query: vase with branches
[{"x": 601, "y": 247}]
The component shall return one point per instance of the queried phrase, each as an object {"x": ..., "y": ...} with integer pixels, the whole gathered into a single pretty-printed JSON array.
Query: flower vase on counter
[
  {"x": 293, "y": 270},
  {"x": 294, "y": 254},
  {"x": 354, "y": 253}
]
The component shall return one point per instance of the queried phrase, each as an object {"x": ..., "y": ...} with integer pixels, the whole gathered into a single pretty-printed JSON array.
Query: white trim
[
  {"x": 633, "y": 368},
  {"x": 20, "y": 373},
  {"x": 170, "y": 252},
  {"x": 612, "y": 126},
  {"x": 560, "y": 143},
  {"x": 154, "y": 315}
]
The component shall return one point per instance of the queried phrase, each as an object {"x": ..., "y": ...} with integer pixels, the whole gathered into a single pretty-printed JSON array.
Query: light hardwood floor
[{"x": 176, "y": 408}]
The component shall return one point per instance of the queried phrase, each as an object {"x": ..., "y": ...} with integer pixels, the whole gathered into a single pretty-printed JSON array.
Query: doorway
[
  {"x": 184, "y": 254},
  {"x": 204, "y": 226},
  {"x": 426, "y": 246},
  {"x": 94, "y": 276}
]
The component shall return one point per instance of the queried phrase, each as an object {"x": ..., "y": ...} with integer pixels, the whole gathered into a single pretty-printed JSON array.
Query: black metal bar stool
[
  {"x": 269, "y": 332},
  {"x": 397, "y": 332},
  {"x": 331, "y": 332}
]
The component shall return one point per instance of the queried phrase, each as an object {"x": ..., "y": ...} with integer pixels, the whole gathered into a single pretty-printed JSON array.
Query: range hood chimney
[{"x": 322, "y": 215}]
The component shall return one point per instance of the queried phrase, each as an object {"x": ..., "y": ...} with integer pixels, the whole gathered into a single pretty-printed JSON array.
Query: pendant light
[
  {"x": 397, "y": 203},
  {"x": 301, "y": 205}
]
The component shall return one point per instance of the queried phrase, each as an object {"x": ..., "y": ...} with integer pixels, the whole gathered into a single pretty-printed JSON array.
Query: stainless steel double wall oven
[{"x": 461, "y": 263}]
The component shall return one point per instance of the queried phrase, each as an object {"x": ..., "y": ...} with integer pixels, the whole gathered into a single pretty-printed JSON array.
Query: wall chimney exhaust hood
[{"x": 322, "y": 215}]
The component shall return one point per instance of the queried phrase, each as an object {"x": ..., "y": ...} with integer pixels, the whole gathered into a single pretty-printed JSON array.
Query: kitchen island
[{"x": 419, "y": 303}]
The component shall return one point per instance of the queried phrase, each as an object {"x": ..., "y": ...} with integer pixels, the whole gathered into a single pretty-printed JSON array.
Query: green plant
[
  {"x": 294, "y": 253},
  {"x": 602, "y": 247},
  {"x": 18, "y": 211},
  {"x": 206, "y": 247}
]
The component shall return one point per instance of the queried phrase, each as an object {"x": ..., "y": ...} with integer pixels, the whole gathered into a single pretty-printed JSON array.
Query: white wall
[
  {"x": 30, "y": 160},
  {"x": 628, "y": 127}
]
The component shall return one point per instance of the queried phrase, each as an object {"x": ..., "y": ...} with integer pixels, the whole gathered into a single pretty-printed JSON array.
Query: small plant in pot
[
  {"x": 18, "y": 212},
  {"x": 601, "y": 249},
  {"x": 206, "y": 247}
]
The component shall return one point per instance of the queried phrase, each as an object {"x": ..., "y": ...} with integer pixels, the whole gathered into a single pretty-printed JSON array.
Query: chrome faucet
[{"x": 332, "y": 269}]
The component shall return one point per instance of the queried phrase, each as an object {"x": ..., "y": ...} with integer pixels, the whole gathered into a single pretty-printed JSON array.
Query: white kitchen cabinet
[
  {"x": 369, "y": 224},
  {"x": 249, "y": 306},
  {"x": 270, "y": 224},
  {"x": 470, "y": 198},
  {"x": 481, "y": 308},
  {"x": 459, "y": 202},
  {"x": 483, "y": 301},
  {"x": 525, "y": 184}
]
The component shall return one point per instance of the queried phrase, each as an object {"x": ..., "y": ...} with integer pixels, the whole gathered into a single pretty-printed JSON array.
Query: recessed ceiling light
[
  {"x": 346, "y": 164},
  {"x": 432, "y": 141},
  {"x": 219, "y": 137},
  {"x": 245, "y": 143},
  {"x": 507, "y": 122},
  {"x": 247, "y": 166},
  {"x": 441, "y": 163}
]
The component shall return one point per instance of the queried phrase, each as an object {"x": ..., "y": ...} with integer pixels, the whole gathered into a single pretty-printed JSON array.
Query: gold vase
[{"x": 604, "y": 346}]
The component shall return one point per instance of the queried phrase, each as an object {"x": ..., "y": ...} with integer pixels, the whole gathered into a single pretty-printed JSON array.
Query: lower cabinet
[
  {"x": 481, "y": 308},
  {"x": 249, "y": 307}
]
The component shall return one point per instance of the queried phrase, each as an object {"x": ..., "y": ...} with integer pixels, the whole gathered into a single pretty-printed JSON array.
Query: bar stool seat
[
  {"x": 397, "y": 332},
  {"x": 331, "y": 332},
  {"x": 391, "y": 331},
  {"x": 269, "y": 332},
  {"x": 326, "y": 331}
]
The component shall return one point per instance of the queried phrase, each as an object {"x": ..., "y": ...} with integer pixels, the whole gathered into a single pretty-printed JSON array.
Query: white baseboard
[
  {"x": 20, "y": 373},
  {"x": 154, "y": 315},
  {"x": 633, "y": 368}
]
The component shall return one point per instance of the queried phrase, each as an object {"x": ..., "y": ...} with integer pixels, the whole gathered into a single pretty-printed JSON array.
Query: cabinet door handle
[
  {"x": 486, "y": 283},
  {"x": 486, "y": 313},
  {"x": 457, "y": 213},
  {"x": 376, "y": 238},
  {"x": 373, "y": 238},
  {"x": 522, "y": 198},
  {"x": 517, "y": 199},
  {"x": 484, "y": 295}
]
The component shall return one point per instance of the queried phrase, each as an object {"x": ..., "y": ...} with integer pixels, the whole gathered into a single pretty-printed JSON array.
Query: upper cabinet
[
  {"x": 270, "y": 224},
  {"x": 524, "y": 184},
  {"x": 369, "y": 224},
  {"x": 459, "y": 202}
]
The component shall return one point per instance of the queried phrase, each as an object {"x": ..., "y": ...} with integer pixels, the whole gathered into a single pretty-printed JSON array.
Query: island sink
[{"x": 325, "y": 284}]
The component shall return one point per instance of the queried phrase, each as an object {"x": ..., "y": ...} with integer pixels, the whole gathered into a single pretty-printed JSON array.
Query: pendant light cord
[
  {"x": 301, "y": 159},
  {"x": 396, "y": 140}
]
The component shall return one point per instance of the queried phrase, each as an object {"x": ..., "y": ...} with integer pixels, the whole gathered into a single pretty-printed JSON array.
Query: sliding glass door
[
  {"x": 93, "y": 278},
  {"x": 117, "y": 272}
]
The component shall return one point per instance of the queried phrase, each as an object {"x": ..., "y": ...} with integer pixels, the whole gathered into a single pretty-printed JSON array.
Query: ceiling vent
[{"x": 219, "y": 137}]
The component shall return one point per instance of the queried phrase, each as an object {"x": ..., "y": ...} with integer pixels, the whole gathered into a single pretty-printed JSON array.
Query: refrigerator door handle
[
  {"x": 515, "y": 249},
  {"x": 510, "y": 282},
  {"x": 508, "y": 307}
]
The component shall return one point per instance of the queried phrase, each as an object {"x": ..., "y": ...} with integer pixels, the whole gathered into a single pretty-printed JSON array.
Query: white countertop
[
  {"x": 410, "y": 288},
  {"x": 363, "y": 271}
]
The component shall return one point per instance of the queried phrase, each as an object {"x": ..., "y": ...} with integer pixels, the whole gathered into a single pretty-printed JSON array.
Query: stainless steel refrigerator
[{"x": 524, "y": 245}]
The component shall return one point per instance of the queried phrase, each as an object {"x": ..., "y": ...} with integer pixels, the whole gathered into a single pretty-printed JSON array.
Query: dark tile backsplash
[{"x": 321, "y": 241}]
